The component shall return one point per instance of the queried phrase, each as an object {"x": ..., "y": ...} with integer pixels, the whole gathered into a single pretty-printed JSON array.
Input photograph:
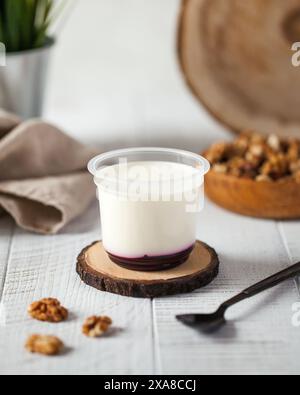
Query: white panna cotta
[{"x": 149, "y": 211}]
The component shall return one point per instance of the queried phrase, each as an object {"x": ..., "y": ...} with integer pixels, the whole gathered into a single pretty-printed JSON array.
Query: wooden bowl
[
  {"x": 236, "y": 57},
  {"x": 271, "y": 200}
]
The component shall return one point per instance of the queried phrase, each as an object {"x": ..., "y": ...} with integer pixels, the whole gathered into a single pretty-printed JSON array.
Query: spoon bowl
[{"x": 204, "y": 322}]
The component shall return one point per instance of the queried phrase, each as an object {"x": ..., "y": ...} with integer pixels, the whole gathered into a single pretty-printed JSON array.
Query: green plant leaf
[{"x": 25, "y": 24}]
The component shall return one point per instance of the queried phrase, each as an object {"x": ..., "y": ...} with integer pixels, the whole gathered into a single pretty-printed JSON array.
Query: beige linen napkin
[{"x": 43, "y": 179}]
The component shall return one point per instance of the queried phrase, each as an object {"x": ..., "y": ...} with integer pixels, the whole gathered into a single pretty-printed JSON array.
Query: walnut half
[
  {"x": 48, "y": 310},
  {"x": 96, "y": 326},
  {"x": 45, "y": 345}
]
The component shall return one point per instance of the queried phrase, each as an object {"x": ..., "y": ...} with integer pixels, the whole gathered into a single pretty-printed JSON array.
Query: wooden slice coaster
[{"x": 97, "y": 270}]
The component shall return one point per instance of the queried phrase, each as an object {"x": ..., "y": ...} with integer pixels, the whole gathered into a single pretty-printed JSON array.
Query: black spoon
[{"x": 212, "y": 322}]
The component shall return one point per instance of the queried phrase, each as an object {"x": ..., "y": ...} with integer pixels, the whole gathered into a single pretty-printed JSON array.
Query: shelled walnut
[
  {"x": 48, "y": 310},
  {"x": 43, "y": 344},
  {"x": 257, "y": 157},
  {"x": 96, "y": 326}
]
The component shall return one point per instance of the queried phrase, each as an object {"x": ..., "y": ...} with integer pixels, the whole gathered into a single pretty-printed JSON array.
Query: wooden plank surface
[
  {"x": 6, "y": 235},
  {"x": 44, "y": 266},
  {"x": 259, "y": 338},
  {"x": 290, "y": 234}
]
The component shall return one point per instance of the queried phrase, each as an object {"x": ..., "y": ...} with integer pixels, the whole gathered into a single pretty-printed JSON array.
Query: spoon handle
[{"x": 268, "y": 283}]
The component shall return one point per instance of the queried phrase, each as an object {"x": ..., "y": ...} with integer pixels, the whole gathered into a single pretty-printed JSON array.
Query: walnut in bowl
[{"x": 256, "y": 176}]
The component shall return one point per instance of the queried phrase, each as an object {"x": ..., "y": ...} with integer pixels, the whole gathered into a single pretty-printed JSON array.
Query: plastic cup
[{"x": 150, "y": 199}]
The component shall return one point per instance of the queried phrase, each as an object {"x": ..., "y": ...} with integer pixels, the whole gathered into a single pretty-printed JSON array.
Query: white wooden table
[
  {"x": 120, "y": 94},
  {"x": 259, "y": 338}
]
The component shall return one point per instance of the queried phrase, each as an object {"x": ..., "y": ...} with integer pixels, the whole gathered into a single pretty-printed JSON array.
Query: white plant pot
[{"x": 23, "y": 81}]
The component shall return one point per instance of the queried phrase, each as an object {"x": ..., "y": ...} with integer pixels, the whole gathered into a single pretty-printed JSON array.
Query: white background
[{"x": 115, "y": 79}]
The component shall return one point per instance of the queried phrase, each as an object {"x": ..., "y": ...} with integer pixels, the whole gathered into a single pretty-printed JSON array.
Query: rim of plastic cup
[{"x": 93, "y": 165}]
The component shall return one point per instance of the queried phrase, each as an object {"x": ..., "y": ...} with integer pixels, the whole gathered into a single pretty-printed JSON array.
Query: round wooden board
[
  {"x": 97, "y": 270},
  {"x": 236, "y": 57}
]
